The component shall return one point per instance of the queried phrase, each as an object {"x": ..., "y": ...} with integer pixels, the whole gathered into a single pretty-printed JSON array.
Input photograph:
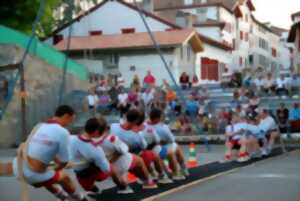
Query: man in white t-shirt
[
  {"x": 91, "y": 164},
  {"x": 48, "y": 144},
  {"x": 270, "y": 129},
  {"x": 92, "y": 100},
  {"x": 123, "y": 104},
  {"x": 170, "y": 148},
  {"x": 282, "y": 85},
  {"x": 117, "y": 152}
]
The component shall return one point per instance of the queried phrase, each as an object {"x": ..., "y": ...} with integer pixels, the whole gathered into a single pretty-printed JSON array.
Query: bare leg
[
  {"x": 140, "y": 169},
  {"x": 180, "y": 157}
]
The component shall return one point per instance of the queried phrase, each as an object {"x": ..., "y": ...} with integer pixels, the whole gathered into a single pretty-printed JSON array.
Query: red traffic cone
[{"x": 192, "y": 160}]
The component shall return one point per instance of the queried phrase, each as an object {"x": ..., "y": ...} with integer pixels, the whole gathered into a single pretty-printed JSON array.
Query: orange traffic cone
[
  {"x": 131, "y": 178},
  {"x": 192, "y": 160}
]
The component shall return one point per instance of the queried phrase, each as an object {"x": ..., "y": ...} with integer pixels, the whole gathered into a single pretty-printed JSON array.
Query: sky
[{"x": 278, "y": 12}]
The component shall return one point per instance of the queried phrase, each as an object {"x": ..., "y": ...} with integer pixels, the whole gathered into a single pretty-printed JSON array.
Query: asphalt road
[{"x": 271, "y": 180}]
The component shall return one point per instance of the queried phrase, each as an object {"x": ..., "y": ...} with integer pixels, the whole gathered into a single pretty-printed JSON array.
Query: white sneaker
[
  {"x": 264, "y": 152},
  {"x": 243, "y": 159},
  {"x": 178, "y": 177},
  {"x": 164, "y": 180},
  {"x": 149, "y": 185},
  {"x": 185, "y": 172},
  {"x": 127, "y": 190}
]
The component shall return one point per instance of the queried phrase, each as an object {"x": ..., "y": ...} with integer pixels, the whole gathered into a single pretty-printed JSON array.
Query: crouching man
[{"x": 48, "y": 143}]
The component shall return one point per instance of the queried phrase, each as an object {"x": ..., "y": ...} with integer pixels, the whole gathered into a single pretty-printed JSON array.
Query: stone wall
[{"x": 42, "y": 85}]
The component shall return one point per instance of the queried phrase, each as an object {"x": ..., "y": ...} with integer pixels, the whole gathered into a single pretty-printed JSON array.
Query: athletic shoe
[
  {"x": 243, "y": 159},
  {"x": 226, "y": 159},
  {"x": 178, "y": 177},
  {"x": 149, "y": 185},
  {"x": 127, "y": 190},
  {"x": 264, "y": 152},
  {"x": 164, "y": 180},
  {"x": 185, "y": 172}
]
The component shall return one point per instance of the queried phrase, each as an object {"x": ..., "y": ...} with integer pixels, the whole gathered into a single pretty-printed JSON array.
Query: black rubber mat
[{"x": 195, "y": 174}]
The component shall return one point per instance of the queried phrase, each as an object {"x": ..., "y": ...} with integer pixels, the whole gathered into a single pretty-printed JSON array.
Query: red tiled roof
[{"x": 132, "y": 40}]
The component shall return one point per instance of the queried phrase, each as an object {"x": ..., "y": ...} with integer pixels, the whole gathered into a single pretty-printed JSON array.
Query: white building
[
  {"x": 230, "y": 22},
  {"x": 294, "y": 37},
  {"x": 119, "y": 18}
]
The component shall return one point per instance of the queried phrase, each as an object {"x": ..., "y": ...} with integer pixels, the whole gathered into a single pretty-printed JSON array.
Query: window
[
  {"x": 262, "y": 60},
  {"x": 57, "y": 38},
  {"x": 95, "y": 33},
  {"x": 263, "y": 44},
  {"x": 241, "y": 61},
  {"x": 274, "y": 52},
  {"x": 128, "y": 30},
  {"x": 241, "y": 35},
  {"x": 114, "y": 59}
]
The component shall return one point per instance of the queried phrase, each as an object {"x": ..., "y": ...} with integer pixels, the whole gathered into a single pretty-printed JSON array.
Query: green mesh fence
[{"x": 43, "y": 51}]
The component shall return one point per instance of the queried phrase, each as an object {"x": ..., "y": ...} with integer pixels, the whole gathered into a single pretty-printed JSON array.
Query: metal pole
[{"x": 23, "y": 103}]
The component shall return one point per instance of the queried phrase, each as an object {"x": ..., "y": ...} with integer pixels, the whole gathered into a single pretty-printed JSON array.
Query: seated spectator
[
  {"x": 113, "y": 94},
  {"x": 104, "y": 103},
  {"x": 254, "y": 102},
  {"x": 236, "y": 80},
  {"x": 269, "y": 84},
  {"x": 281, "y": 86},
  {"x": 120, "y": 81},
  {"x": 247, "y": 82},
  {"x": 184, "y": 80},
  {"x": 295, "y": 84},
  {"x": 236, "y": 100},
  {"x": 282, "y": 115},
  {"x": 191, "y": 107},
  {"x": 133, "y": 97},
  {"x": 295, "y": 113},
  {"x": 259, "y": 83},
  {"x": 123, "y": 104},
  {"x": 149, "y": 80}
]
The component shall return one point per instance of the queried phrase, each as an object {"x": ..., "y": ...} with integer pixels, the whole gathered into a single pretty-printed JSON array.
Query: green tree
[{"x": 20, "y": 14}]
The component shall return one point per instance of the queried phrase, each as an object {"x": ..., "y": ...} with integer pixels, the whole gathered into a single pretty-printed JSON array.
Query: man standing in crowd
[{"x": 149, "y": 80}]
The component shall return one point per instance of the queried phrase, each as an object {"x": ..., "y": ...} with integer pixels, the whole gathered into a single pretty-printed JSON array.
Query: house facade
[
  {"x": 294, "y": 37},
  {"x": 231, "y": 22},
  {"x": 118, "y": 18}
]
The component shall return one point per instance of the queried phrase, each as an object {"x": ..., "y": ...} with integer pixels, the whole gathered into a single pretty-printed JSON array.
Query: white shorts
[
  {"x": 31, "y": 177},
  {"x": 171, "y": 147},
  {"x": 123, "y": 164},
  {"x": 156, "y": 149}
]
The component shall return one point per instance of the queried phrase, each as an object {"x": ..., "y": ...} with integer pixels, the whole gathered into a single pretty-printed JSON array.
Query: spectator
[
  {"x": 236, "y": 80},
  {"x": 147, "y": 98},
  {"x": 269, "y": 84},
  {"x": 184, "y": 80},
  {"x": 247, "y": 82},
  {"x": 191, "y": 106},
  {"x": 113, "y": 93},
  {"x": 281, "y": 86},
  {"x": 295, "y": 113},
  {"x": 259, "y": 83},
  {"x": 92, "y": 99},
  {"x": 149, "y": 80},
  {"x": 136, "y": 82},
  {"x": 123, "y": 104},
  {"x": 295, "y": 84},
  {"x": 282, "y": 115},
  {"x": 104, "y": 103},
  {"x": 236, "y": 100},
  {"x": 195, "y": 81},
  {"x": 254, "y": 102},
  {"x": 120, "y": 81}
]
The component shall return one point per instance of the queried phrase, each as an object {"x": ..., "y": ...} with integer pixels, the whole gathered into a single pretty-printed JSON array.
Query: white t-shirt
[
  {"x": 281, "y": 83},
  {"x": 122, "y": 98},
  {"x": 92, "y": 99},
  {"x": 50, "y": 141},
  {"x": 150, "y": 135},
  {"x": 267, "y": 124},
  {"x": 163, "y": 131},
  {"x": 111, "y": 146},
  {"x": 84, "y": 152}
]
